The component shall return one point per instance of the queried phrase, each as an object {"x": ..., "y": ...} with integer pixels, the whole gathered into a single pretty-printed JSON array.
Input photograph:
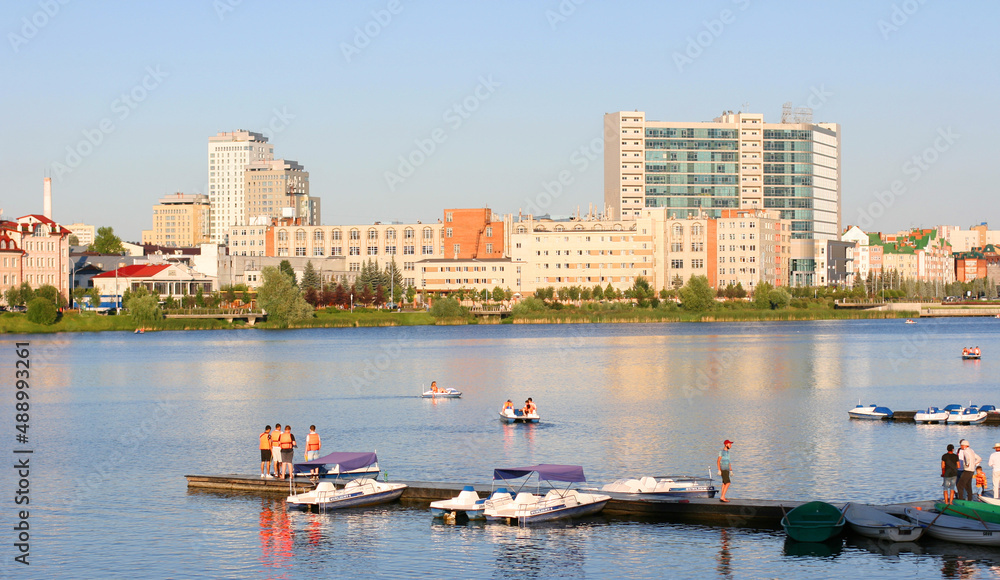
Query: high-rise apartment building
[
  {"x": 736, "y": 161},
  {"x": 179, "y": 220},
  {"x": 85, "y": 233},
  {"x": 276, "y": 189},
  {"x": 229, "y": 154}
]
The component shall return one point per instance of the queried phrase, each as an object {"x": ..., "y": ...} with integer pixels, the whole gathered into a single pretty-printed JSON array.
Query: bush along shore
[{"x": 694, "y": 302}]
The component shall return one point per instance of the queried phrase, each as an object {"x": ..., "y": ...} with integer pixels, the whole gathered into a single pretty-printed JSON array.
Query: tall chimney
[{"x": 47, "y": 198}]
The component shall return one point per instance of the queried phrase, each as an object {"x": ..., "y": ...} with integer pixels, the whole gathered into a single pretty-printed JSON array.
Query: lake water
[{"x": 118, "y": 419}]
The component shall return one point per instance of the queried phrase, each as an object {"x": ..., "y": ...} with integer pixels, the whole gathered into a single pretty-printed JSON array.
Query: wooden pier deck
[{"x": 739, "y": 512}]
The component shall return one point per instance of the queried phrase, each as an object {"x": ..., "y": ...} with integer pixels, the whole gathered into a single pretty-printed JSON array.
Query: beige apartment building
[
  {"x": 229, "y": 154},
  {"x": 278, "y": 189},
  {"x": 85, "y": 233},
  {"x": 752, "y": 247},
  {"x": 180, "y": 220},
  {"x": 447, "y": 275}
]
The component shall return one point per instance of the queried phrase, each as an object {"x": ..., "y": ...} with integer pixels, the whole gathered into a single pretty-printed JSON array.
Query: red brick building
[{"x": 472, "y": 234}]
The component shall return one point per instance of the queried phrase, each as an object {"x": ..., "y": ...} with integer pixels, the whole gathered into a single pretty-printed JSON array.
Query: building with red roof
[
  {"x": 170, "y": 279},
  {"x": 34, "y": 249}
]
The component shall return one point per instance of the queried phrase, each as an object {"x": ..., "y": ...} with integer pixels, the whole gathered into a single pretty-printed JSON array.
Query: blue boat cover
[
  {"x": 885, "y": 410},
  {"x": 347, "y": 461},
  {"x": 547, "y": 471}
]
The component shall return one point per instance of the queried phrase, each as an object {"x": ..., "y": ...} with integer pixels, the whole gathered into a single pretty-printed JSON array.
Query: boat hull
[
  {"x": 970, "y": 357},
  {"x": 552, "y": 513},
  {"x": 960, "y": 530},
  {"x": 813, "y": 522},
  {"x": 972, "y": 510},
  {"x": 444, "y": 395},
  {"x": 874, "y": 523},
  {"x": 868, "y": 415},
  {"x": 519, "y": 418},
  {"x": 359, "y": 500}
]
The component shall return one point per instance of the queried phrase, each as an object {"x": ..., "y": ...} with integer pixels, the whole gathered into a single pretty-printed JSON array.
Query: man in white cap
[
  {"x": 968, "y": 461},
  {"x": 995, "y": 464}
]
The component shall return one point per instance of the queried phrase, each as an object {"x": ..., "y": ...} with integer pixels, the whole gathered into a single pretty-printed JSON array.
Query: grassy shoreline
[{"x": 15, "y": 323}]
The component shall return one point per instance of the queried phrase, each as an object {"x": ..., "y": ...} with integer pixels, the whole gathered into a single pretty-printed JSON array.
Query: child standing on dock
[{"x": 980, "y": 481}]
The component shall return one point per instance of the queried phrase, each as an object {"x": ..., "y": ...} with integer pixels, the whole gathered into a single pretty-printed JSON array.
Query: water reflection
[
  {"x": 276, "y": 536},
  {"x": 725, "y": 558},
  {"x": 547, "y": 551}
]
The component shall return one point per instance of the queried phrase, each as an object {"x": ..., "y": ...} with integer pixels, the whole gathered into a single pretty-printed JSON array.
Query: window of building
[
  {"x": 428, "y": 234},
  {"x": 390, "y": 234},
  {"x": 372, "y": 234},
  {"x": 677, "y": 246},
  {"x": 698, "y": 263},
  {"x": 489, "y": 248},
  {"x": 372, "y": 250},
  {"x": 457, "y": 249},
  {"x": 355, "y": 234},
  {"x": 489, "y": 231},
  {"x": 318, "y": 236},
  {"x": 447, "y": 232},
  {"x": 676, "y": 264}
]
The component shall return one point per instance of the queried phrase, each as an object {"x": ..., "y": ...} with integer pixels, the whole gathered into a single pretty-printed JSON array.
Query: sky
[{"x": 399, "y": 109}]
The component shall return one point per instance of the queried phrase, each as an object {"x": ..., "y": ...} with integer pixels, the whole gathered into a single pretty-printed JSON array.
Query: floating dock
[
  {"x": 992, "y": 417},
  {"x": 757, "y": 513}
]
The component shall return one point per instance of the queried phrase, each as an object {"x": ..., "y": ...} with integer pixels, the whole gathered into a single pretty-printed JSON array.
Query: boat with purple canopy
[
  {"x": 556, "y": 504},
  {"x": 363, "y": 491},
  {"x": 339, "y": 466}
]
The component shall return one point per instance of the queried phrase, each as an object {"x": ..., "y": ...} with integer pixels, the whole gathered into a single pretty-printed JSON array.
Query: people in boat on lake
[
  {"x": 965, "y": 351},
  {"x": 508, "y": 406},
  {"x": 313, "y": 446},
  {"x": 725, "y": 466},
  {"x": 288, "y": 444},
  {"x": 276, "y": 449},
  {"x": 980, "y": 481},
  {"x": 434, "y": 387},
  {"x": 265, "y": 453},
  {"x": 994, "y": 463},
  {"x": 976, "y": 351},
  {"x": 529, "y": 407},
  {"x": 968, "y": 462},
  {"x": 949, "y": 474}
]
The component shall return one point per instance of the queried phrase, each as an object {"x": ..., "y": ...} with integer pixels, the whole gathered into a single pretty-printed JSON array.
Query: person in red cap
[{"x": 725, "y": 468}]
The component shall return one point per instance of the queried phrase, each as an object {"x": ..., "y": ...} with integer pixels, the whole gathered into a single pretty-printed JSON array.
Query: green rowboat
[
  {"x": 973, "y": 510},
  {"x": 815, "y": 521}
]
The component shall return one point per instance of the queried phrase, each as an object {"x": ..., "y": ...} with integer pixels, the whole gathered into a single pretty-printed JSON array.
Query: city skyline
[{"x": 488, "y": 105}]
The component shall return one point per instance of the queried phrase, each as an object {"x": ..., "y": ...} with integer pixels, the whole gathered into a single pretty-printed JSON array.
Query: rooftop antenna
[
  {"x": 787, "y": 115},
  {"x": 745, "y": 108}
]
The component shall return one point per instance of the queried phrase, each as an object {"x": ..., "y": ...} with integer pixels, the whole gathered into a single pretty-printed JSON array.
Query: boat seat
[
  {"x": 524, "y": 498},
  {"x": 325, "y": 486},
  {"x": 647, "y": 483}
]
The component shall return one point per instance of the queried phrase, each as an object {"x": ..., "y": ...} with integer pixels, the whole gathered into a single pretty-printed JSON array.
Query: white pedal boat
[
  {"x": 932, "y": 415},
  {"x": 357, "y": 493},
  {"x": 466, "y": 504},
  {"x": 954, "y": 529},
  {"x": 870, "y": 412},
  {"x": 448, "y": 393},
  {"x": 971, "y": 415},
  {"x": 683, "y": 486},
  {"x": 525, "y": 508},
  {"x": 517, "y": 416},
  {"x": 874, "y": 523}
]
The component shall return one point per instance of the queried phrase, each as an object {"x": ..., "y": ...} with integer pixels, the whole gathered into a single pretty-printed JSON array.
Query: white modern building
[{"x": 229, "y": 154}]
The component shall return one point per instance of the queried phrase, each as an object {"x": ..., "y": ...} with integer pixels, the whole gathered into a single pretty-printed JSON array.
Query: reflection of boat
[
  {"x": 970, "y": 415},
  {"x": 973, "y": 510},
  {"x": 554, "y": 505},
  {"x": 815, "y": 521},
  {"x": 875, "y": 523},
  {"x": 931, "y": 415},
  {"x": 828, "y": 549},
  {"x": 357, "y": 493},
  {"x": 870, "y": 412},
  {"x": 951, "y": 528},
  {"x": 467, "y": 504},
  {"x": 448, "y": 393},
  {"x": 683, "y": 486},
  {"x": 886, "y": 548},
  {"x": 518, "y": 416},
  {"x": 339, "y": 465}
]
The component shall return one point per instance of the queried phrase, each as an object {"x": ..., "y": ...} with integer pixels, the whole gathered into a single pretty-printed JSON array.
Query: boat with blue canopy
[
  {"x": 364, "y": 490},
  {"x": 525, "y": 507},
  {"x": 870, "y": 412}
]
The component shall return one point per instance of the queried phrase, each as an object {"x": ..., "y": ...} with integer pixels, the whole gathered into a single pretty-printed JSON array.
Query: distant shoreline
[{"x": 11, "y": 323}]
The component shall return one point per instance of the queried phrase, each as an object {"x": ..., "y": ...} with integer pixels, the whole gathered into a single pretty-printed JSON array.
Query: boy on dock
[{"x": 265, "y": 453}]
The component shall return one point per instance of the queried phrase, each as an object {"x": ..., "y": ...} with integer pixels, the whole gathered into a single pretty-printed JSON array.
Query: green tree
[
  {"x": 762, "y": 296},
  {"x": 95, "y": 298},
  {"x": 739, "y": 291},
  {"x": 144, "y": 308},
  {"x": 779, "y": 298},
  {"x": 42, "y": 311},
  {"x": 286, "y": 268},
  {"x": 199, "y": 297},
  {"x": 19, "y": 295},
  {"x": 106, "y": 242},
  {"x": 52, "y": 294},
  {"x": 484, "y": 295},
  {"x": 411, "y": 294},
  {"x": 528, "y": 306},
  {"x": 72, "y": 240},
  {"x": 598, "y": 292},
  {"x": 310, "y": 277},
  {"x": 448, "y": 308},
  {"x": 281, "y": 299},
  {"x": 697, "y": 295},
  {"x": 610, "y": 293},
  {"x": 641, "y": 290},
  {"x": 78, "y": 296},
  {"x": 497, "y": 294},
  {"x": 585, "y": 293}
]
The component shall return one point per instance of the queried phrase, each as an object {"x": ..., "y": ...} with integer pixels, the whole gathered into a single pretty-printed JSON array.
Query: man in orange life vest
[
  {"x": 287, "y": 442},
  {"x": 276, "y": 449},
  {"x": 265, "y": 453},
  {"x": 312, "y": 448}
]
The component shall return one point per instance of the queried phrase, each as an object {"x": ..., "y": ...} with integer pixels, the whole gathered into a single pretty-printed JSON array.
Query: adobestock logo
[
  {"x": 363, "y": 36},
  {"x": 31, "y": 26}
]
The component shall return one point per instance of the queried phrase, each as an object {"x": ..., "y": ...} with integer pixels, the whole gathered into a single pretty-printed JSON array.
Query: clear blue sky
[{"x": 232, "y": 64}]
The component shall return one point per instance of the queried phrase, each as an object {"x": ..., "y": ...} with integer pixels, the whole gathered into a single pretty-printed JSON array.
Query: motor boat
[
  {"x": 525, "y": 508},
  {"x": 340, "y": 466},
  {"x": 910, "y": 321},
  {"x": 870, "y": 412},
  {"x": 931, "y": 415},
  {"x": 466, "y": 504},
  {"x": 680, "y": 486},
  {"x": 955, "y": 529},
  {"x": 872, "y": 522},
  {"x": 362, "y": 491},
  {"x": 518, "y": 416},
  {"x": 971, "y": 415},
  {"x": 448, "y": 393}
]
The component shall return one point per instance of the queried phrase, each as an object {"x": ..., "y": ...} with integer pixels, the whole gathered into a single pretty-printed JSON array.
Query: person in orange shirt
[
  {"x": 980, "y": 481},
  {"x": 287, "y": 443},
  {"x": 313, "y": 445},
  {"x": 265, "y": 453}
]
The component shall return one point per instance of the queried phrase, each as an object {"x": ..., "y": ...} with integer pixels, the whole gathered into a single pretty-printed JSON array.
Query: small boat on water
[
  {"x": 874, "y": 523},
  {"x": 815, "y": 521},
  {"x": 955, "y": 529},
  {"x": 525, "y": 508},
  {"x": 973, "y": 510},
  {"x": 518, "y": 416},
  {"x": 448, "y": 393},
  {"x": 971, "y": 415},
  {"x": 932, "y": 415},
  {"x": 870, "y": 412},
  {"x": 466, "y": 504},
  {"x": 357, "y": 493},
  {"x": 910, "y": 321},
  {"x": 970, "y": 356},
  {"x": 341, "y": 466},
  {"x": 680, "y": 486}
]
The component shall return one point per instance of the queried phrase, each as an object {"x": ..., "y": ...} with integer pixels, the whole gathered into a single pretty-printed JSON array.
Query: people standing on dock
[
  {"x": 265, "y": 453},
  {"x": 969, "y": 461},
  {"x": 287, "y": 442},
  {"x": 995, "y": 464},
  {"x": 276, "y": 449},
  {"x": 312, "y": 449},
  {"x": 725, "y": 466},
  {"x": 949, "y": 474}
]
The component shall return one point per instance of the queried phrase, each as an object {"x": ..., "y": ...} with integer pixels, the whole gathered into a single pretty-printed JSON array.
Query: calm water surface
[{"x": 118, "y": 419}]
